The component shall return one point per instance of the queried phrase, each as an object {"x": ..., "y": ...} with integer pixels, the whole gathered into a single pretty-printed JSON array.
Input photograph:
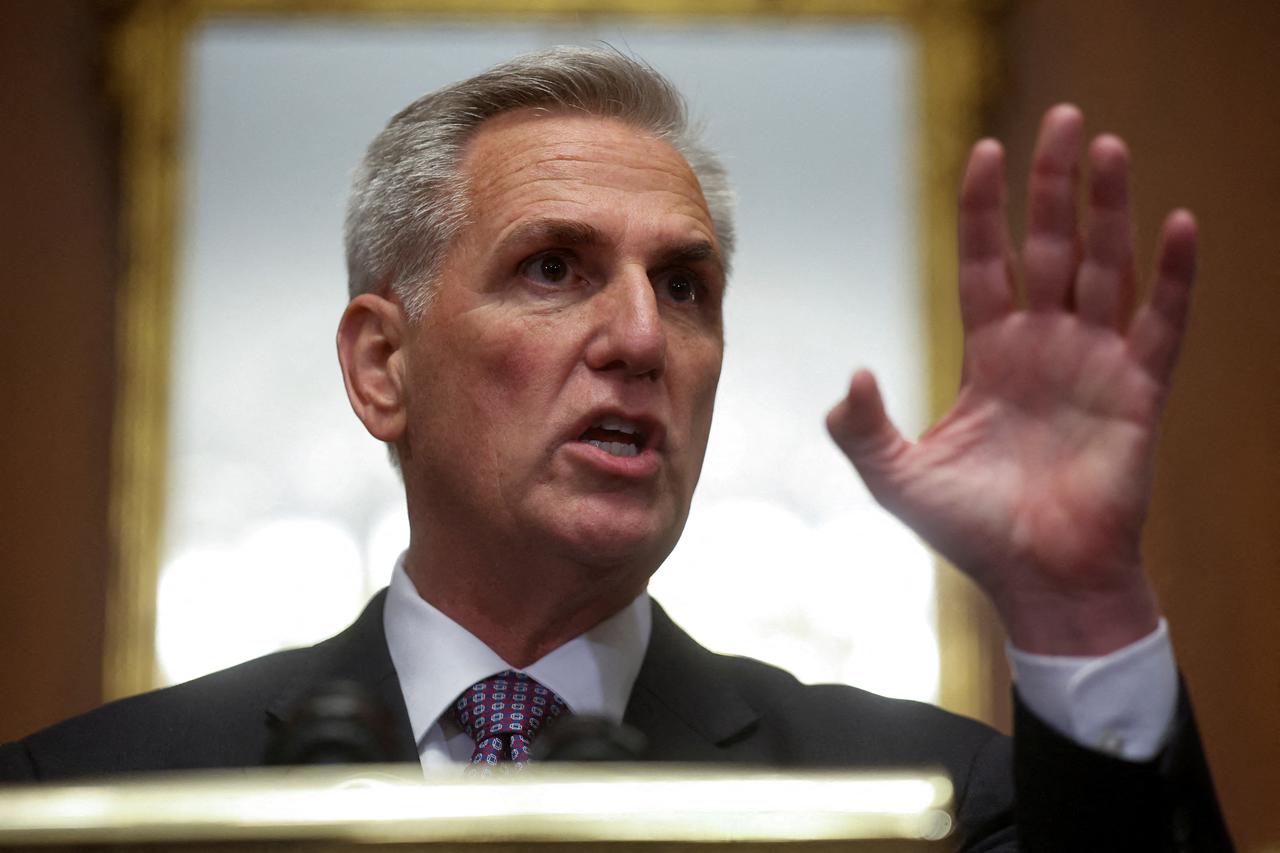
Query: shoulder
[
  {"x": 218, "y": 720},
  {"x": 763, "y": 715},
  {"x": 779, "y": 720},
  {"x": 843, "y": 724},
  {"x": 836, "y": 725}
]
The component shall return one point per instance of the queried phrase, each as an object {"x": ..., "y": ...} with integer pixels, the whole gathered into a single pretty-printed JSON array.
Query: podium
[{"x": 551, "y": 807}]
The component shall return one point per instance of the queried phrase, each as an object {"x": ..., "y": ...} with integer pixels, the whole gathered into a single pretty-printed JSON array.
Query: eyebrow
[
  {"x": 564, "y": 232},
  {"x": 692, "y": 252},
  {"x": 570, "y": 233}
]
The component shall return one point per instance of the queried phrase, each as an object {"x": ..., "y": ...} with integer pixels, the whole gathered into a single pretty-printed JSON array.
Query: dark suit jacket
[{"x": 693, "y": 706}]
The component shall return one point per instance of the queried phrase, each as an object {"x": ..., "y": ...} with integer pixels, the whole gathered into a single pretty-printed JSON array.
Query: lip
[{"x": 644, "y": 464}]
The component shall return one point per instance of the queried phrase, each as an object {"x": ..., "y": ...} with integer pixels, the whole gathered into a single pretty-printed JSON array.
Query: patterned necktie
[{"x": 503, "y": 714}]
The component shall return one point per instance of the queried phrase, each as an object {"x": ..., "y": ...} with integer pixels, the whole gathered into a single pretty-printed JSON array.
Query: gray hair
[{"x": 409, "y": 200}]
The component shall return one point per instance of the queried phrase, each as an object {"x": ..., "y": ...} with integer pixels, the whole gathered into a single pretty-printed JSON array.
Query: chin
[{"x": 636, "y": 546}]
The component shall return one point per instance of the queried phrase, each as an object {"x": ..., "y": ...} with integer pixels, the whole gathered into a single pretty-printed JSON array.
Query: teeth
[
  {"x": 615, "y": 448},
  {"x": 617, "y": 425}
]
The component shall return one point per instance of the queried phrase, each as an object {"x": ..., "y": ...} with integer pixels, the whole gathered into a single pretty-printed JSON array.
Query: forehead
[{"x": 530, "y": 162}]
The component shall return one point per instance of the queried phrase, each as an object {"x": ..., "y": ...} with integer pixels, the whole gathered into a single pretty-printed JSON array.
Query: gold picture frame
[{"x": 957, "y": 69}]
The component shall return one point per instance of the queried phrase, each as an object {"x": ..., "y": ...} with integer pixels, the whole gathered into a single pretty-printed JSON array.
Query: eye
[
  {"x": 549, "y": 268},
  {"x": 680, "y": 286}
]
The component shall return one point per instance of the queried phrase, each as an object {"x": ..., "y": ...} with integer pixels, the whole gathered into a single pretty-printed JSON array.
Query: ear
[{"x": 370, "y": 340}]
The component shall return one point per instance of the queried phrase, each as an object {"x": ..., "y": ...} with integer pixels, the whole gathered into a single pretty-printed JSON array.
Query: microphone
[{"x": 339, "y": 722}]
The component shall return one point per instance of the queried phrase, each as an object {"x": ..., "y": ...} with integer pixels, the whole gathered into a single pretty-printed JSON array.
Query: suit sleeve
[
  {"x": 985, "y": 806},
  {"x": 1071, "y": 799}
]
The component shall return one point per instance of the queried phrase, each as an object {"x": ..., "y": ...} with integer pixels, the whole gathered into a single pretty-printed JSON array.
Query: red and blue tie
[{"x": 503, "y": 713}]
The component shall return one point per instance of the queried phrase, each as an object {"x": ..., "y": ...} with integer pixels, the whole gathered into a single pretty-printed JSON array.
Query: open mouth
[{"x": 615, "y": 436}]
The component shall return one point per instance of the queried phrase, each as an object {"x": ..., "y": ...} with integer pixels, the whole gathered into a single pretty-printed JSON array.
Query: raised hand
[{"x": 1037, "y": 482}]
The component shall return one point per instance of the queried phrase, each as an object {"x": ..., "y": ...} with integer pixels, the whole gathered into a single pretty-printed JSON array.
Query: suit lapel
[
  {"x": 359, "y": 654},
  {"x": 682, "y": 701}
]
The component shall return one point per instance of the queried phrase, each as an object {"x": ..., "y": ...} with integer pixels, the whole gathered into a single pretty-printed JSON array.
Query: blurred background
[{"x": 1189, "y": 85}]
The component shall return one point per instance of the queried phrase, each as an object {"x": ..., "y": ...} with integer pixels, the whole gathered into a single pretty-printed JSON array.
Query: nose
[{"x": 629, "y": 334}]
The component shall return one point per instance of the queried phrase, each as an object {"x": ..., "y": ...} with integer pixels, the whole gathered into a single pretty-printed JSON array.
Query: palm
[
  {"x": 1036, "y": 482},
  {"x": 1044, "y": 456}
]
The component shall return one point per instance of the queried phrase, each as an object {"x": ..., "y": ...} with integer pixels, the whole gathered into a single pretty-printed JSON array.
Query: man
[{"x": 538, "y": 259}]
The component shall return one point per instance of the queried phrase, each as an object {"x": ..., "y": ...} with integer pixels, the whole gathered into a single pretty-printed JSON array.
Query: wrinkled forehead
[{"x": 527, "y": 157}]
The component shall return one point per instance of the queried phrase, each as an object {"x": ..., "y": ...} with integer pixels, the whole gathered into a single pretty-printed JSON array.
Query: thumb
[{"x": 862, "y": 430}]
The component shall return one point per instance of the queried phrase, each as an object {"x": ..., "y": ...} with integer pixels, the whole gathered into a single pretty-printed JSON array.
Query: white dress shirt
[
  {"x": 436, "y": 659},
  {"x": 1122, "y": 703}
]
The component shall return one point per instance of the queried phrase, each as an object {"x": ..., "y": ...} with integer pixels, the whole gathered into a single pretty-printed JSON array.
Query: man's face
[{"x": 560, "y": 387}]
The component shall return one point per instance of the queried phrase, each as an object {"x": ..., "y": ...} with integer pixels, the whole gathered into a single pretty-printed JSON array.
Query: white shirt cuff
[{"x": 1122, "y": 703}]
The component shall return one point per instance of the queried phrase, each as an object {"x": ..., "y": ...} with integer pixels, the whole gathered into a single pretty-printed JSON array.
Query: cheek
[
  {"x": 516, "y": 368},
  {"x": 708, "y": 359},
  {"x": 703, "y": 415},
  {"x": 702, "y": 377}
]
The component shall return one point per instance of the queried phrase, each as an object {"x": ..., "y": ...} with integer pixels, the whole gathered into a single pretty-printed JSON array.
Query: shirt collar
[{"x": 436, "y": 658}]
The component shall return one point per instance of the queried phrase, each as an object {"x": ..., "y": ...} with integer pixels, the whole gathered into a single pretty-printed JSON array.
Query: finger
[
  {"x": 862, "y": 430},
  {"x": 1104, "y": 285},
  {"x": 1049, "y": 254},
  {"x": 986, "y": 291},
  {"x": 1156, "y": 333}
]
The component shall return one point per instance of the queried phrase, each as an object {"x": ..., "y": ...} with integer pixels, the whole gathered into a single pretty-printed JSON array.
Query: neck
[{"x": 521, "y": 608}]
